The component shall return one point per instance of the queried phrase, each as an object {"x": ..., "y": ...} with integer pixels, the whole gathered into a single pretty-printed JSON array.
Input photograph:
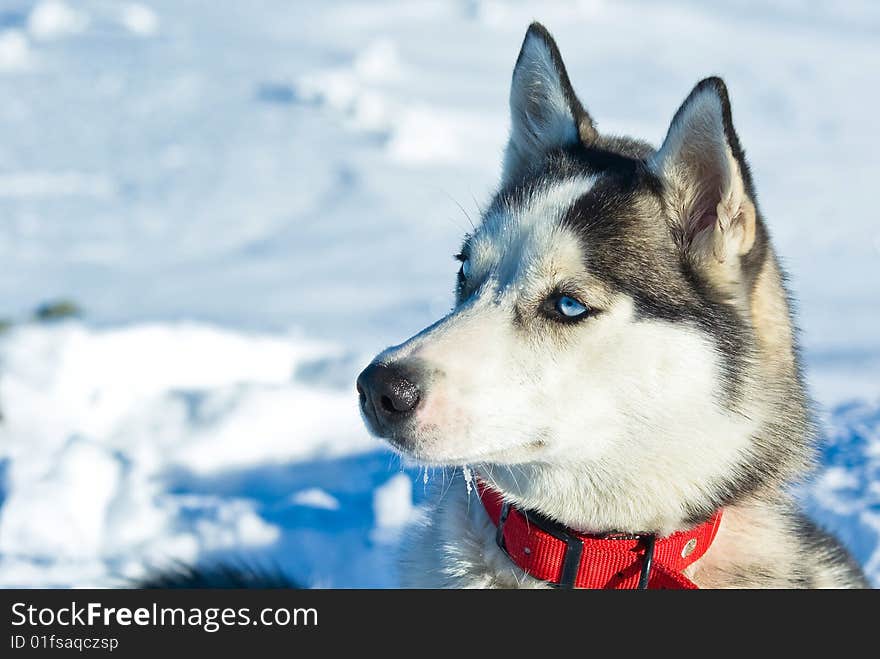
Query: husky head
[{"x": 621, "y": 354}]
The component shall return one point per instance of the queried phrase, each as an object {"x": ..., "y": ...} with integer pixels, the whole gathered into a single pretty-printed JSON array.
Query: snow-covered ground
[{"x": 250, "y": 199}]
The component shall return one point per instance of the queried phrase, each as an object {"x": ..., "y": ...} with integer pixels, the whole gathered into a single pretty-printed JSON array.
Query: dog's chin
[
  {"x": 411, "y": 451},
  {"x": 430, "y": 455}
]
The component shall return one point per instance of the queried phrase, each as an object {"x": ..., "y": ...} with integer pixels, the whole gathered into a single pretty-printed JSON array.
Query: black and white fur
[{"x": 677, "y": 393}]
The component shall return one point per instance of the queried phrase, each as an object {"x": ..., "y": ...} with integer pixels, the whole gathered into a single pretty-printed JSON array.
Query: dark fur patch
[
  {"x": 636, "y": 253},
  {"x": 826, "y": 549},
  {"x": 218, "y": 576},
  {"x": 583, "y": 121}
]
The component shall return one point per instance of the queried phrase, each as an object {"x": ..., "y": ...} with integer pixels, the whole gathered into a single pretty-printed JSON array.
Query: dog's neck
[
  {"x": 589, "y": 505},
  {"x": 457, "y": 546}
]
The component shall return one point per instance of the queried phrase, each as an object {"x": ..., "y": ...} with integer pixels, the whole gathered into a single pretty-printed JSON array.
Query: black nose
[{"x": 388, "y": 393}]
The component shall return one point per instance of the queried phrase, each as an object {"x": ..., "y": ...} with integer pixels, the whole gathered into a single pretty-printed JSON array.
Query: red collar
[{"x": 562, "y": 557}]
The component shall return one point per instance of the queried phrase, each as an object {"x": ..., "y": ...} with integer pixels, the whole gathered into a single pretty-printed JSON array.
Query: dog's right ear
[{"x": 545, "y": 113}]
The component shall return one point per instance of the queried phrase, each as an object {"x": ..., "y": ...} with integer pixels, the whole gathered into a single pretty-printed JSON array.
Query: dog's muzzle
[{"x": 389, "y": 395}]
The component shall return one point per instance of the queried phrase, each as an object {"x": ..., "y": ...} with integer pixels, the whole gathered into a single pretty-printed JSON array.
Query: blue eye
[
  {"x": 569, "y": 307},
  {"x": 466, "y": 268}
]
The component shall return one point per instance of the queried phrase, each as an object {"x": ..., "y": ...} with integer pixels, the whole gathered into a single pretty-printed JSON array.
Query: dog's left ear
[
  {"x": 545, "y": 113},
  {"x": 707, "y": 182}
]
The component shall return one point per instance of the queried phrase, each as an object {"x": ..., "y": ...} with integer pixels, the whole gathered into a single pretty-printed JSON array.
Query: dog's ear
[
  {"x": 707, "y": 183},
  {"x": 545, "y": 113}
]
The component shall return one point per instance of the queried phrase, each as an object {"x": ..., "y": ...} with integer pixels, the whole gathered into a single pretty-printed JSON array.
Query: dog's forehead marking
[{"x": 526, "y": 232}]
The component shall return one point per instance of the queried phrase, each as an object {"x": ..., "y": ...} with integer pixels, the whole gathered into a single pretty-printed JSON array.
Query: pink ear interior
[{"x": 704, "y": 222}]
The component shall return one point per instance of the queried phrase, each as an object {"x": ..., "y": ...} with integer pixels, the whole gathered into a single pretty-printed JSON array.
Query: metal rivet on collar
[{"x": 689, "y": 547}]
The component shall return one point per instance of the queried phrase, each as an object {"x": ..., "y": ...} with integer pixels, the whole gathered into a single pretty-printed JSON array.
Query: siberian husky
[{"x": 621, "y": 366}]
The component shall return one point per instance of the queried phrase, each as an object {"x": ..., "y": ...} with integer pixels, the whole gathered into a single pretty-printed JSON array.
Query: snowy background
[{"x": 248, "y": 200}]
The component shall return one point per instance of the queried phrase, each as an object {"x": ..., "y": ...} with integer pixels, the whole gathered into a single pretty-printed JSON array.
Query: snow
[
  {"x": 316, "y": 498},
  {"x": 96, "y": 419},
  {"x": 39, "y": 185},
  {"x": 392, "y": 503},
  {"x": 140, "y": 19},
  {"x": 15, "y": 51},
  {"x": 844, "y": 496},
  {"x": 53, "y": 19},
  {"x": 250, "y": 201}
]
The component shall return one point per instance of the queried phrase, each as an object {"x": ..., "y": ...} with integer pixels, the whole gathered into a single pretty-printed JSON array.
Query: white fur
[{"x": 602, "y": 410}]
